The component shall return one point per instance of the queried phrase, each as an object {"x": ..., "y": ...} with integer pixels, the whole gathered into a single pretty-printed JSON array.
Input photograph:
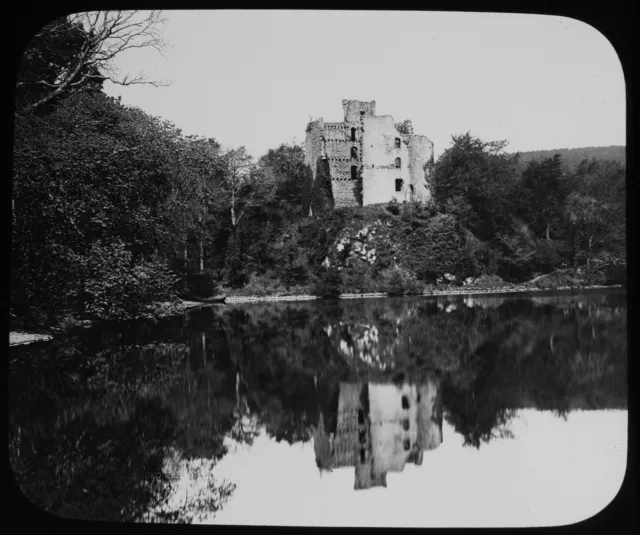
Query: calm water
[{"x": 403, "y": 411}]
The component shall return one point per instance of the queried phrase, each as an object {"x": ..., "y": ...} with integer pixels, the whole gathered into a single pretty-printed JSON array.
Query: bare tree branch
[{"x": 104, "y": 35}]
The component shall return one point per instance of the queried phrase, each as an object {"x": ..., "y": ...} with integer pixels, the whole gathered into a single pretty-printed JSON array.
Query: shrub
[
  {"x": 439, "y": 248},
  {"x": 396, "y": 284},
  {"x": 116, "y": 288},
  {"x": 393, "y": 207},
  {"x": 360, "y": 281},
  {"x": 329, "y": 284},
  {"x": 199, "y": 285}
]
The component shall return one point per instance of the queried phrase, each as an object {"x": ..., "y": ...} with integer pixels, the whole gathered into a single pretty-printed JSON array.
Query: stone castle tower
[{"x": 366, "y": 158}]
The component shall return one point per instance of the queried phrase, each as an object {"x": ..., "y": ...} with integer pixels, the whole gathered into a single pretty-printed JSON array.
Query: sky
[
  {"x": 255, "y": 78},
  {"x": 551, "y": 472}
]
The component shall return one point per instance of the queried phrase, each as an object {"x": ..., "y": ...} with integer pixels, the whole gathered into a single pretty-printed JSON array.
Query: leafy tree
[
  {"x": 542, "y": 195},
  {"x": 596, "y": 211},
  {"x": 404, "y": 127},
  {"x": 475, "y": 181},
  {"x": 285, "y": 165},
  {"x": 91, "y": 169},
  {"x": 241, "y": 189}
]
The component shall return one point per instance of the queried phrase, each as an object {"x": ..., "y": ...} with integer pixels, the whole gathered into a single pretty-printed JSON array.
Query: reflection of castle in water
[{"x": 379, "y": 427}]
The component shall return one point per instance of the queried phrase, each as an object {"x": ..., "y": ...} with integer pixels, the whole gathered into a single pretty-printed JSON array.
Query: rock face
[{"x": 368, "y": 161}]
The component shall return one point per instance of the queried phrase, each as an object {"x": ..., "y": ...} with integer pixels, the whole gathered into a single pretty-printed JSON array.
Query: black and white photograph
[{"x": 319, "y": 268}]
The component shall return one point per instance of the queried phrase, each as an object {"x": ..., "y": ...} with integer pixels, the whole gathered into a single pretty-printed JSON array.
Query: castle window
[
  {"x": 397, "y": 143},
  {"x": 405, "y": 424},
  {"x": 353, "y": 134},
  {"x": 407, "y": 444},
  {"x": 405, "y": 399},
  {"x": 398, "y": 163},
  {"x": 399, "y": 188},
  {"x": 411, "y": 188},
  {"x": 362, "y": 453},
  {"x": 354, "y": 172},
  {"x": 354, "y": 153},
  {"x": 360, "y": 416}
]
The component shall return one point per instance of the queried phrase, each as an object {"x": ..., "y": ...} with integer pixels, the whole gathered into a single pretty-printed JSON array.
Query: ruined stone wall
[
  {"x": 355, "y": 110},
  {"x": 313, "y": 144},
  {"x": 379, "y": 153},
  {"x": 338, "y": 143},
  {"x": 363, "y": 170},
  {"x": 420, "y": 161}
]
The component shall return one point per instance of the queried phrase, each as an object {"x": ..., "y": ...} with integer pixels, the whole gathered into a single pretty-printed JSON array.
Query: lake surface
[{"x": 448, "y": 411}]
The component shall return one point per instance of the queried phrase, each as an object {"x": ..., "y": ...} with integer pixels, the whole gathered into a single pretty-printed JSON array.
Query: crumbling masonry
[{"x": 366, "y": 158}]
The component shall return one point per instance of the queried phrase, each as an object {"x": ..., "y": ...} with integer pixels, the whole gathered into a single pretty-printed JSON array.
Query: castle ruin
[{"x": 367, "y": 159}]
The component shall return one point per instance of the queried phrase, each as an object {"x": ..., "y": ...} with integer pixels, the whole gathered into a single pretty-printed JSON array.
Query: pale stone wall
[
  {"x": 313, "y": 144},
  {"x": 420, "y": 156},
  {"x": 379, "y": 172}
]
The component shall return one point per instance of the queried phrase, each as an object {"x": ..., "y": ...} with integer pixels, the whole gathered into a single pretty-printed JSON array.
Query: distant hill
[{"x": 572, "y": 157}]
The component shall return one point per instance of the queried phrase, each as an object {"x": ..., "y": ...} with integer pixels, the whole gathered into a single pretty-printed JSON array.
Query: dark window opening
[
  {"x": 354, "y": 152},
  {"x": 418, "y": 398},
  {"x": 405, "y": 425},
  {"x": 399, "y": 188},
  {"x": 354, "y": 172},
  {"x": 398, "y": 163},
  {"x": 411, "y": 188},
  {"x": 361, "y": 114},
  {"x": 397, "y": 143},
  {"x": 361, "y": 437},
  {"x": 405, "y": 399},
  {"x": 407, "y": 444},
  {"x": 362, "y": 454},
  {"x": 360, "y": 416},
  {"x": 353, "y": 134}
]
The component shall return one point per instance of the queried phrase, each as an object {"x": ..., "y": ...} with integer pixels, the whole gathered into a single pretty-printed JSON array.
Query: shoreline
[
  {"x": 500, "y": 291},
  {"x": 17, "y": 338}
]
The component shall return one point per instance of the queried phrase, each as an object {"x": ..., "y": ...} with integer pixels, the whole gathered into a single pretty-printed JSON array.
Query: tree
[
  {"x": 542, "y": 195},
  {"x": 475, "y": 181},
  {"x": 76, "y": 52},
  {"x": 90, "y": 170},
  {"x": 197, "y": 177},
  {"x": 285, "y": 166},
  {"x": 404, "y": 127},
  {"x": 243, "y": 187},
  {"x": 595, "y": 209}
]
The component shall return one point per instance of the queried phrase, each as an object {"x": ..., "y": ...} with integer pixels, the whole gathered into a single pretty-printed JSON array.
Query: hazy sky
[{"x": 254, "y": 78}]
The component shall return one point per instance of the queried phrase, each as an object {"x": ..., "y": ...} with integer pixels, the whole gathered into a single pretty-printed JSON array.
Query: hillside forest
[{"x": 114, "y": 210}]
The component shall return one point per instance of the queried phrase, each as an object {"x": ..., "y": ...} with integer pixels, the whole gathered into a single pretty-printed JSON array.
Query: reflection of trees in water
[
  {"x": 83, "y": 444},
  {"x": 494, "y": 359},
  {"x": 123, "y": 397}
]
